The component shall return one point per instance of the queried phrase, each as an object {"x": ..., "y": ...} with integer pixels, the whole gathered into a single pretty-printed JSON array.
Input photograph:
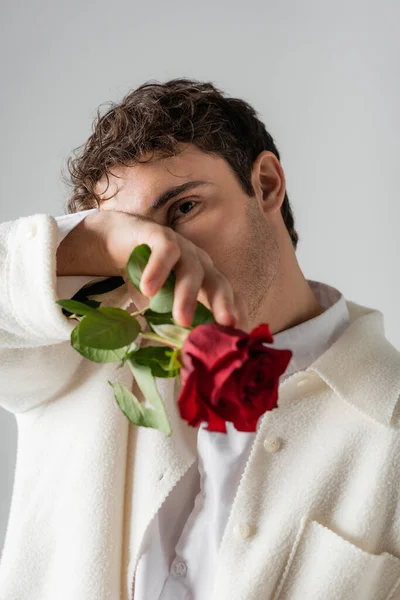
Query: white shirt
[{"x": 181, "y": 544}]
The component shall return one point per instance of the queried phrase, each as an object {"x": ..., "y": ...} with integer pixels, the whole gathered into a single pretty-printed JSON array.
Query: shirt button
[
  {"x": 272, "y": 445},
  {"x": 180, "y": 568},
  {"x": 31, "y": 231},
  {"x": 242, "y": 530}
]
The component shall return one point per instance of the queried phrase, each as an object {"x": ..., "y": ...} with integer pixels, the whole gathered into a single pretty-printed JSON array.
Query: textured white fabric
[
  {"x": 184, "y": 558},
  {"x": 318, "y": 518}
]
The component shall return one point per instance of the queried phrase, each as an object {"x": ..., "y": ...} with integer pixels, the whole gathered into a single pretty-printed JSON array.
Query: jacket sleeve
[
  {"x": 36, "y": 358},
  {"x": 29, "y": 316}
]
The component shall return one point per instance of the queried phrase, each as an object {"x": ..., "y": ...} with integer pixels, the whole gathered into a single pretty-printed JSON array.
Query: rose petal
[{"x": 211, "y": 341}]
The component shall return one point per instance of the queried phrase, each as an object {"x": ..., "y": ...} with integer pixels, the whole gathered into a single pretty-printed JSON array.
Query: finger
[
  {"x": 189, "y": 275},
  {"x": 220, "y": 295},
  {"x": 164, "y": 255}
]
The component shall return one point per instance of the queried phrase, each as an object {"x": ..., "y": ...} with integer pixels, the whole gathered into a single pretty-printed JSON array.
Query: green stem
[{"x": 139, "y": 312}]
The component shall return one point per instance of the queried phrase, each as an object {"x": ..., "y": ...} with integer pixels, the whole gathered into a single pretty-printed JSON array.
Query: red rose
[{"x": 228, "y": 375}]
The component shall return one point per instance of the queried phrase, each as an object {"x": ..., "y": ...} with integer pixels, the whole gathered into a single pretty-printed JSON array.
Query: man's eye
[{"x": 182, "y": 205}]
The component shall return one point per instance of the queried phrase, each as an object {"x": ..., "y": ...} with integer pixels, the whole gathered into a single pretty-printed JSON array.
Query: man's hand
[{"x": 102, "y": 243}]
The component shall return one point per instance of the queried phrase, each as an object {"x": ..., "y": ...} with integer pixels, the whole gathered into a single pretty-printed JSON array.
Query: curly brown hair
[{"x": 155, "y": 118}]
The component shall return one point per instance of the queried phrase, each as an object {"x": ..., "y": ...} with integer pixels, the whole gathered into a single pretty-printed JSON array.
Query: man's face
[{"x": 216, "y": 215}]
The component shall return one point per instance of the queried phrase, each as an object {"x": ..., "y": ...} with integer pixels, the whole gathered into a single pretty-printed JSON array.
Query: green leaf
[
  {"x": 158, "y": 318},
  {"x": 76, "y": 308},
  {"x": 136, "y": 264},
  {"x": 93, "y": 303},
  {"x": 158, "y": 359},
  {"x": 95, "y": 354},
  {"x": 201, "y": 316},
  {"x": 163, "y": 301},
  {"x": 136, "y": 412},
  {"x": 108, "y": 328},
  {"x": 147, "y": 384},
  {"x": 172, "y": 333}
]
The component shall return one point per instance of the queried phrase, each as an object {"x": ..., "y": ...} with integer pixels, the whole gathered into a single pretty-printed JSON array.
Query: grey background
[{"x": 324, "y": 77}]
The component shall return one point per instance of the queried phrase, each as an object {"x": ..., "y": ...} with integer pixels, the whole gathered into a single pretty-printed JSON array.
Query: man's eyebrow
[{"x": 174, "y": 191}]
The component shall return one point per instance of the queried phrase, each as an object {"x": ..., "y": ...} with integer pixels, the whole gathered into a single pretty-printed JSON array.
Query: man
[{"x": 306, "y": 507}]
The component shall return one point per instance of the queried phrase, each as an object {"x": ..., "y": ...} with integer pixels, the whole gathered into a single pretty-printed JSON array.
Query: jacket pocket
[{"x": 322, "y": 565}]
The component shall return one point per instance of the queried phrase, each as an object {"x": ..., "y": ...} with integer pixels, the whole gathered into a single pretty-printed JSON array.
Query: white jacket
[
  {"x": 180, "y": 549},
  {"x": 319, "y": 519}
]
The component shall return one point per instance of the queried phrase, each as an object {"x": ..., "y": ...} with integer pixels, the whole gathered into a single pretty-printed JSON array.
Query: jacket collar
[{"x": 362, "y": 366}]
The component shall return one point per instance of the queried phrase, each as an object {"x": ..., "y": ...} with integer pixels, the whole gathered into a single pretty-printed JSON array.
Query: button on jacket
[{"x": 315, "y": 512}]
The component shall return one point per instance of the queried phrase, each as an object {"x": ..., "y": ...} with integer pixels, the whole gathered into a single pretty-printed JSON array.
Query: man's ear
[{"x": 268, "y": 181}]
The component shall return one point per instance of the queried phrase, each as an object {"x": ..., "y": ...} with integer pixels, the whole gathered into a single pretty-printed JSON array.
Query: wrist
[{"x": 82, "y": 251}]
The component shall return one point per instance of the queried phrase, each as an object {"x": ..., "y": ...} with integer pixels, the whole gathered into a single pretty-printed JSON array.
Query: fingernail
[
  {"x": 225, "y": 318},
  {"x": 149, "y": 287}
]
